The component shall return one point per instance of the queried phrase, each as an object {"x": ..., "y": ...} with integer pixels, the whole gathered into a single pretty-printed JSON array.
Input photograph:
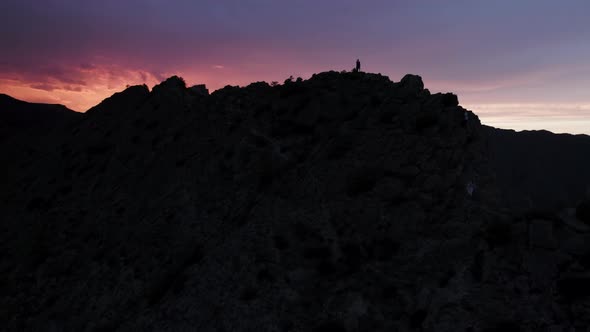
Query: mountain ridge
[
  {"x": 340, "y": 203},
  {"x": 15, "y": 112}
]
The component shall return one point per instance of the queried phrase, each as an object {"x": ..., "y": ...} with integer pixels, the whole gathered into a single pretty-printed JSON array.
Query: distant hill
[
  {"x": 17, "y": 115},
  {"x": 539, "y": 169},
  {"x": 345, "y": 202}
]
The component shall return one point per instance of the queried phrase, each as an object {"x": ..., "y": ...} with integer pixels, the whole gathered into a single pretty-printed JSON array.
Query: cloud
[
  {"x": 79, "y": 53},
  {"x": 529, "y": 78},
  {"x": 78, "y": 87},
  {"x": 87, "y": 66},
  {"x": 532, "y": 110},
  {"x": 42, "y": 86},
  {"x": 560, "y": 118}
]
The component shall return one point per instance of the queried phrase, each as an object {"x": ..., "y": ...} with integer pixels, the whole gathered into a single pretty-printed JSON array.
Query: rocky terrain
[{"x": 346, "y": 202}]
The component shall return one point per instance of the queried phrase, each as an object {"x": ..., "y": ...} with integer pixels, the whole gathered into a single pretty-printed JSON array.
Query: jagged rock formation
[{"x": 338, "y": 203}]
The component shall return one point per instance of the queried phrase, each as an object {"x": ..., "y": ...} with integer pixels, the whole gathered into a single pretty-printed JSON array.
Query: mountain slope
[
  {"x": 19, "y": 115},
  {"x": 27, "y": 132},
  {"x": 339, "y": 203}
]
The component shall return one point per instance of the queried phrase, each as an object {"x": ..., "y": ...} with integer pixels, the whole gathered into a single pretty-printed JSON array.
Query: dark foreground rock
[
  {"x": 345, "y": 202},
  {"x": 583, "y": 211}
]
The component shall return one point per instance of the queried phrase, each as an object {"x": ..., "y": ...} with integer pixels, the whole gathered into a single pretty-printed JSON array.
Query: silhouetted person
[{"x": 358, "y": 65}]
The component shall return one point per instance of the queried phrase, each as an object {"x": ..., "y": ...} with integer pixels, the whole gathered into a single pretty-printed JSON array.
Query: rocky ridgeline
[{"x": 345, "y": 202}]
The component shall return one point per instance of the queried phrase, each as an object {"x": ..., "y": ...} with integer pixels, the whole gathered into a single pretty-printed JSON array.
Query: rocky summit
[{"x": 345, "y": 202}]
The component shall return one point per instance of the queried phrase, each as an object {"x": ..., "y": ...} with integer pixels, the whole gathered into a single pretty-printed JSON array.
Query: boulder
[
  {"x": 450, "y": 100},
  {"x": 171, "y": 83},
  {"x": 199, "y": 90},
  {"x": 412, "y": 83}
]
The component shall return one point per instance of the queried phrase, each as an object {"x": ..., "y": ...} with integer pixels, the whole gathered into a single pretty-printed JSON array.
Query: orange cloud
[{"x": 79, "y": 88}]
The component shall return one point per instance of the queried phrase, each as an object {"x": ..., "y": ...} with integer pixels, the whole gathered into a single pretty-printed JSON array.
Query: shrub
[{"x": 289, "y": 80}]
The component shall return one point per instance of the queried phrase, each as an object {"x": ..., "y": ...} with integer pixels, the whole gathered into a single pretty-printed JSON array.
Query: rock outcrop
[{"x": 346, "y": 202}]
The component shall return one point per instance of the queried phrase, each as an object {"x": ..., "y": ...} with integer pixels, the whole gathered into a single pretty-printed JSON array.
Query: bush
[{"x": 289, "y": 80}]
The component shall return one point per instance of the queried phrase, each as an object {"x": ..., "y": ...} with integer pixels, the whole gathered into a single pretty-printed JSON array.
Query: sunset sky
[{"x": 517, "y": 64}]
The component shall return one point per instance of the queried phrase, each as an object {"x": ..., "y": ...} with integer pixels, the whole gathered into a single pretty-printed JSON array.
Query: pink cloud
[{"x": 42, "y": 86}]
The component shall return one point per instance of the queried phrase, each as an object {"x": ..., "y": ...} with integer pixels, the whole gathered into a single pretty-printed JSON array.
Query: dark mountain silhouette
[
  {"x": 17, "y": 115},
  {"x": 539, "y": 169},
  {"x": 346, "y": 202}
]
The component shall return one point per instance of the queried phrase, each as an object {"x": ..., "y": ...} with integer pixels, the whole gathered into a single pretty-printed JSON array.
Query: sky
[{"x": 521, "y": 64}]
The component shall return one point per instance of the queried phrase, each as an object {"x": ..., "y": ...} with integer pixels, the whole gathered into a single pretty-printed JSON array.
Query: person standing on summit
[{"x": 358, "y": 65}]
